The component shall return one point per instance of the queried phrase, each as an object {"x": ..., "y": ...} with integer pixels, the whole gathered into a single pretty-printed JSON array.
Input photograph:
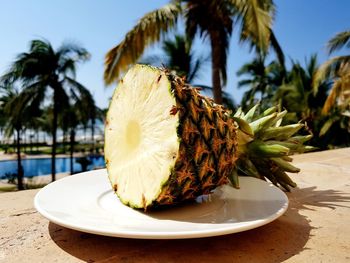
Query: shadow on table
[{"x": 274, "y": 242}]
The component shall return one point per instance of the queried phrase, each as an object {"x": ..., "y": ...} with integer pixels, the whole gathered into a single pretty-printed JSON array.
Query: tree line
[
  {"x": 40, "y": 89},
  {"x": 318, "y": 95},
  {"x": 39, "y": 92}
]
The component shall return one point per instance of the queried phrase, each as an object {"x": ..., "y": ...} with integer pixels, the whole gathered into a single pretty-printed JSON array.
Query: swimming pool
[{"x": 42, "y": 166}]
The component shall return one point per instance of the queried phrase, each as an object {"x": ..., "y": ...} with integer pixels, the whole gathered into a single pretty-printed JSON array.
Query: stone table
[{"x": 315, "y": 228}]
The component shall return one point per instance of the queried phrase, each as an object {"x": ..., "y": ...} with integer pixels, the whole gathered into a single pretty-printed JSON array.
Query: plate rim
[{"x": 227, "y": 228}]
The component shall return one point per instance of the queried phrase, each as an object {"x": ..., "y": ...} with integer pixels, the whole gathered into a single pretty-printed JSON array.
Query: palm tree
[
  {"x": 13, "y": 125},
  {"x": 43, "y": 69},
  {"x": 17, "y": 108},
  {"x": 82, "y": 110},
  {"x": 180, "y": 59},
  {"x": 178, "y": 56},
  {"x": 336, "y": 70},
  {"x": 260, "y": 79},
  {"x": 211, "y": 19},
  {"x": 296, "y": 94}
]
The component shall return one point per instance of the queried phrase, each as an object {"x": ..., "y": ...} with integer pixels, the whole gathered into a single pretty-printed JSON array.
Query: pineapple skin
[{"x": 207, "y": 150}]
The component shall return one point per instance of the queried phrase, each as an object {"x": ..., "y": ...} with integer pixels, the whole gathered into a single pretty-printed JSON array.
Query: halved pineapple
[{"x": 165, "y": 143}]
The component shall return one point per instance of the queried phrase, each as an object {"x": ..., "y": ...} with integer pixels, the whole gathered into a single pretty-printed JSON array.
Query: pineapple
[{"x": 165, "y": 143}]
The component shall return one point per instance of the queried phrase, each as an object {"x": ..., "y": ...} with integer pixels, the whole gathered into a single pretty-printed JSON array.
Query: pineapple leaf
[
  {"x": 262, "y": 123},
  {"x": 281, "y": 133},
  {"x": 250, "y": 114},
  {"x": 286, "y": 166},
  {"x": 247, "y": 167},
  {"x": 301, "y": 139},
  {"x": 283, "y": 178},
  {"x": 269, "y": 111},
  {"x": 244, "y": 126},
  {"x": 279, "y": 118},
  {"x": 263, "y": 150},
  {"x": 265, "y": 155},
  {"x": 239, "y": 113},
  {"x": 233, "y": 178},
  {"x": 287, "y": 158}
]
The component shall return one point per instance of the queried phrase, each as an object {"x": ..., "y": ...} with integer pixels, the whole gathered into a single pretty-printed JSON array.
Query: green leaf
[
  {"x": 239, "y": 113},
  {"x": 247, "y": 168},
  {"x": 286, "y": 166},
  {"x": 300, "y": 139},
  {"x": 284, "y": 179},
  {"x": 250, "y": 114},
  {"x": 262, "y": 150},
  {"x": 269, "y": 111},
  {"x": 281, "y": 133},
  {"x": 233, "y": 178},
  {"x": 244, "y": 126},
  {"x": 328, "y": 124},
  {"x": 261, "y": 124}
]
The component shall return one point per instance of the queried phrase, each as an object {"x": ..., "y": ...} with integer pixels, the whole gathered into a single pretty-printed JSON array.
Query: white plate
[{"x": 86, "y": 202}]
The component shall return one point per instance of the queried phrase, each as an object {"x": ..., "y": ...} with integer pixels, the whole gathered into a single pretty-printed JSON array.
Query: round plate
[{"x": 86, "y": 202}]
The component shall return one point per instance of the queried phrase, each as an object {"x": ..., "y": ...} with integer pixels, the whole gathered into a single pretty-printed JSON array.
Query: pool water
[{"x": 42, "y": 166}]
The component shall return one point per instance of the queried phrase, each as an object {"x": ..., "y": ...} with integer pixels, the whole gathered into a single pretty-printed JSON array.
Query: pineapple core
[
  {"x": 140, "y": 136},
  {"x": 133, "y": 134}
]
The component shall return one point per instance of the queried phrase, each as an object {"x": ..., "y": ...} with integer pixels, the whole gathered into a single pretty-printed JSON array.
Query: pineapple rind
[{"x": 202, "y": 163}]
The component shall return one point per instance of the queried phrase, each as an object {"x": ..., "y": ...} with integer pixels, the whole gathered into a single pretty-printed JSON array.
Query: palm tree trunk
[
  {"x": 72, "y": 139},
  {"x": 37, "y": 141},
  {"x": 54, "y": 134},
  {"x": 31, "y": 143},
  {"x": 19, "y": 163},
  {"x": 85, "y": 127},
  {"x": 215, "y": 62},
  {"x": 93, "y": 134},
  {"x": 64, "y": 141},
  {"x": 24, "y": 142}
]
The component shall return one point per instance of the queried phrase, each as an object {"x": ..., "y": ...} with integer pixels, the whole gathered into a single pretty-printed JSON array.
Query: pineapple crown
[{"x": 265, "y": 146}]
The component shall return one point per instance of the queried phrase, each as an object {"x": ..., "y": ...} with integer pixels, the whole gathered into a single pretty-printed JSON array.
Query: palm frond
[
  {"x": 328, "y": 124},
  {"x": 256, "y": 18},
  {"x": 339, "y": 41},
  {"x": 148, "y": 30},
  {"x": 68, "y": 66},
  {"x": 72, "y": 50},
  {"x": 244, "y": 82},
  {"x": 41, "y": 46},
  {"x": 332, "y": 96},
  {"x": 68, "y": 54},
  {"x": 36, "y": 93},
  {"x": 81, "y": 93},
  {"x": 330, "y": 69},
  {"x": 196, "y": 66},
  {"x": 73, "y": 84},
  {"x": 277, "y": 48},
  {"x": 312, "y": 66}
]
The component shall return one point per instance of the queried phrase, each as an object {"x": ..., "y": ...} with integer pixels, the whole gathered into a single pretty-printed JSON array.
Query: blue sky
[{"x": 302, "y": 28}]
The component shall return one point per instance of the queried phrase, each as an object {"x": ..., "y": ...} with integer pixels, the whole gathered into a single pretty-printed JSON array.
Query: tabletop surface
[{"x": 315, "y": 228}]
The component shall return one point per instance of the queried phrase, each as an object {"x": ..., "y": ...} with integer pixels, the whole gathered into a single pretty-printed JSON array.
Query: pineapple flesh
[
  {"x": 141, "y": 143},
  {"x": 165, "y": 143}
]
